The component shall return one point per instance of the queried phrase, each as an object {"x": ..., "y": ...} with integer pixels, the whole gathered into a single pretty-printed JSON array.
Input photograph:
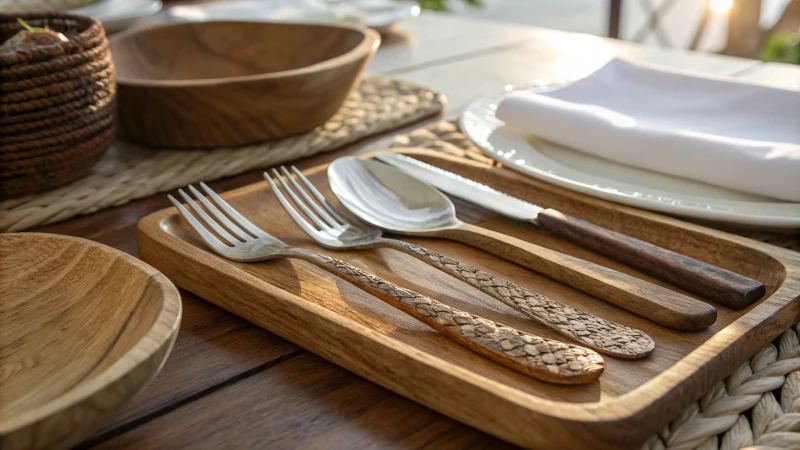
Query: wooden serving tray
[{"x": 632, "y": 400}]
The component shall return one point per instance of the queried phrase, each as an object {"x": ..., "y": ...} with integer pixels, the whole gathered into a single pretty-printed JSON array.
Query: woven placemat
[
  {"x": 128, "y": 172},
  {"x": 757, "y": 406}
]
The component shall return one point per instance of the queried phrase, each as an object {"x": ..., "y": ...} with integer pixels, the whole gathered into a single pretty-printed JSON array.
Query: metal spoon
[
  {"x": 390, "y": 199},
  {"x": 395, "y": 201}
]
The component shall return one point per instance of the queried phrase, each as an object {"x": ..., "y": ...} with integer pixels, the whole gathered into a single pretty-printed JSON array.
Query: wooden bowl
[
  {"x": 84, "y": 328},
  {"x": 211, "y": 84}
]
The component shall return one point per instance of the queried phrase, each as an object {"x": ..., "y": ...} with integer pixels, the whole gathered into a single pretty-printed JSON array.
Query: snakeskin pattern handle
[
  {"x": 599, "y": 334},
  {"x": 541, "y": 358}
]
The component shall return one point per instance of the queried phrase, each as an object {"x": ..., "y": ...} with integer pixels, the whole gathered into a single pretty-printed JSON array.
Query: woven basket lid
[{"x": 84, "y": 33}]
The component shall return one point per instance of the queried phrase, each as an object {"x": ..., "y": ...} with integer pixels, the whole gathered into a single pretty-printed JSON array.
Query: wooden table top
[{"x": 230, "y": 384}]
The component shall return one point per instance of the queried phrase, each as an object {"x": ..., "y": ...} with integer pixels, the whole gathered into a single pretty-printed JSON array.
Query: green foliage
[
  {"x": 443, "y": 5},
  {"x": 30, "y": 28},
  {"x": 782, "y": 47}
]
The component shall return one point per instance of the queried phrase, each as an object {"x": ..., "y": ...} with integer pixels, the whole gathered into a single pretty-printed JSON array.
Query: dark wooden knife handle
[{"x": 714, "y": 283}]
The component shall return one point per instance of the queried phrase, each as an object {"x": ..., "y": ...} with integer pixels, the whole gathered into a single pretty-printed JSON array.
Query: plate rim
[
  {"x": 133, "y": 9},
  {"x": 623, "y": 196},
  {"x": 403, "y": 10}
]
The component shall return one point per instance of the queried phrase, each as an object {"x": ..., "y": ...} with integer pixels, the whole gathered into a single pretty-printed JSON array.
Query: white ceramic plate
[
  {"x": 616, "y": 182},
  {"x": 378, "y": 14},
  {"x": 116, "y": 15}
]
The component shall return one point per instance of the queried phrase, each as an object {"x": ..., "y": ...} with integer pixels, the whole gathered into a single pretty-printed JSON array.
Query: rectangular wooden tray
[{"x": 632, "y": 400}]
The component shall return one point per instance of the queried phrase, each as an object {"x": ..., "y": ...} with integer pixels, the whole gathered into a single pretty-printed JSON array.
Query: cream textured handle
[
  {"x": 541, "y": 358},
  {"x": 599, "y": 334}
]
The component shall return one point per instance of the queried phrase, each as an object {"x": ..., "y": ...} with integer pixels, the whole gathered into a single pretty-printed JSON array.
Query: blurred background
[
  {"x": 675, "y": 22},
  {"x": 761, "y": 29},
  {"x": 767, "y": 29}
]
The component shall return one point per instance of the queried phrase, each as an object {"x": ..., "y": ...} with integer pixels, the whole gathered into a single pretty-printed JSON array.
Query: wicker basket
[{"x": 57, "y": 104}]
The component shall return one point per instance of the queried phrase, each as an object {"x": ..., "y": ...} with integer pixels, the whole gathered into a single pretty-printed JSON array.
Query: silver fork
[
  {"x": 232, "y": 236},
  {"x": 332, "y": 230}
]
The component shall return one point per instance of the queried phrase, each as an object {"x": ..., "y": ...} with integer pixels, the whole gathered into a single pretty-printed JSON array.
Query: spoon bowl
[{"x": 390, "y": 199}]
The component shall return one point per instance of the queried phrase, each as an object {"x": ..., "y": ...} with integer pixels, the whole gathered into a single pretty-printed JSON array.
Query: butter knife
[{"x": 712, "y": 282}]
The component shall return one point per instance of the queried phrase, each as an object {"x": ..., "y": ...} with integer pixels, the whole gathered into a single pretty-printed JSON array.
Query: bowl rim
[
  {"x": 369, "y": 44},
  {"x": 164, "y": 327}
]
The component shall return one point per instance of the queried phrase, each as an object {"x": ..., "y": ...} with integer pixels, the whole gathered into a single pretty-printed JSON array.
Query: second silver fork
[{"x": 332, "y": 230}]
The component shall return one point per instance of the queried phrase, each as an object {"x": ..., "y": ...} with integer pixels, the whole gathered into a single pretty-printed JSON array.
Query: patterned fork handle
[
  {"x": 541, "y": 358},
  {"x": 599, "y": 334}
]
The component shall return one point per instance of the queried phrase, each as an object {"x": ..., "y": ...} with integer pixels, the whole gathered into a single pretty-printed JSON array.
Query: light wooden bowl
[
  {"x": 83, "y": 328},
  {"x": 210, "y": 84}
]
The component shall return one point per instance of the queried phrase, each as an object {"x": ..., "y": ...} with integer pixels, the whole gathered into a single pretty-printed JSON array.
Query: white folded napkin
[{"x": 736, "y": 135}]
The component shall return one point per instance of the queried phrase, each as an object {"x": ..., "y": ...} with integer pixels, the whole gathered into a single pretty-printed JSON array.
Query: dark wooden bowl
[{"x": 211, "y": 84}]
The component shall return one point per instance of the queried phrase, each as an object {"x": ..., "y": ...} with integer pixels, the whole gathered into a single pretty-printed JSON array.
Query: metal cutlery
[
  {"x": 332, "y": 230},
  {"x": 232, "y": 236},
  {"x": 390, "y": 199},
  {"x": 714, "y": 283}
]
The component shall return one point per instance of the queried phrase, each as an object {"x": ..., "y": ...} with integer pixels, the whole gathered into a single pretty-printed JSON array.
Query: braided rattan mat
[
  {"x": 128, "y": 172},
  {"x": 757, "y": 406}
]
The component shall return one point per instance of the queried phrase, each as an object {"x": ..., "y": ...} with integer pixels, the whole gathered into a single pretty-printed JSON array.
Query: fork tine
[
  {"x": 232, "y": 213},
  {"x": 222, "y": 218},
  {"x": 207, "y": 219},
  {"x": 210, "y": 239},
  {"x": 310, "y": 214},
  {"x": 325, "y": 216},
  {"x": 318, "y": 195},
  {"x": 299, "y": 219}
]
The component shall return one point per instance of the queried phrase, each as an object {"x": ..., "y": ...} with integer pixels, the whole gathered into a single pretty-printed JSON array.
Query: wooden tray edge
[{"x": 609, "y": 424}]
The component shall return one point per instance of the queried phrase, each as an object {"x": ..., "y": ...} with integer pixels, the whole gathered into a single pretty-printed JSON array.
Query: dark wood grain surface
[
  {"x": 230, "y": 384},
  {"x": 226, "y": 347},
  {"x": 304, "y": 402}
]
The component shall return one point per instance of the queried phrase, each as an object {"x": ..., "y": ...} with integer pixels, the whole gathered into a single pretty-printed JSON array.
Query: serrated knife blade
[{"x": 463, "y": 188}]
